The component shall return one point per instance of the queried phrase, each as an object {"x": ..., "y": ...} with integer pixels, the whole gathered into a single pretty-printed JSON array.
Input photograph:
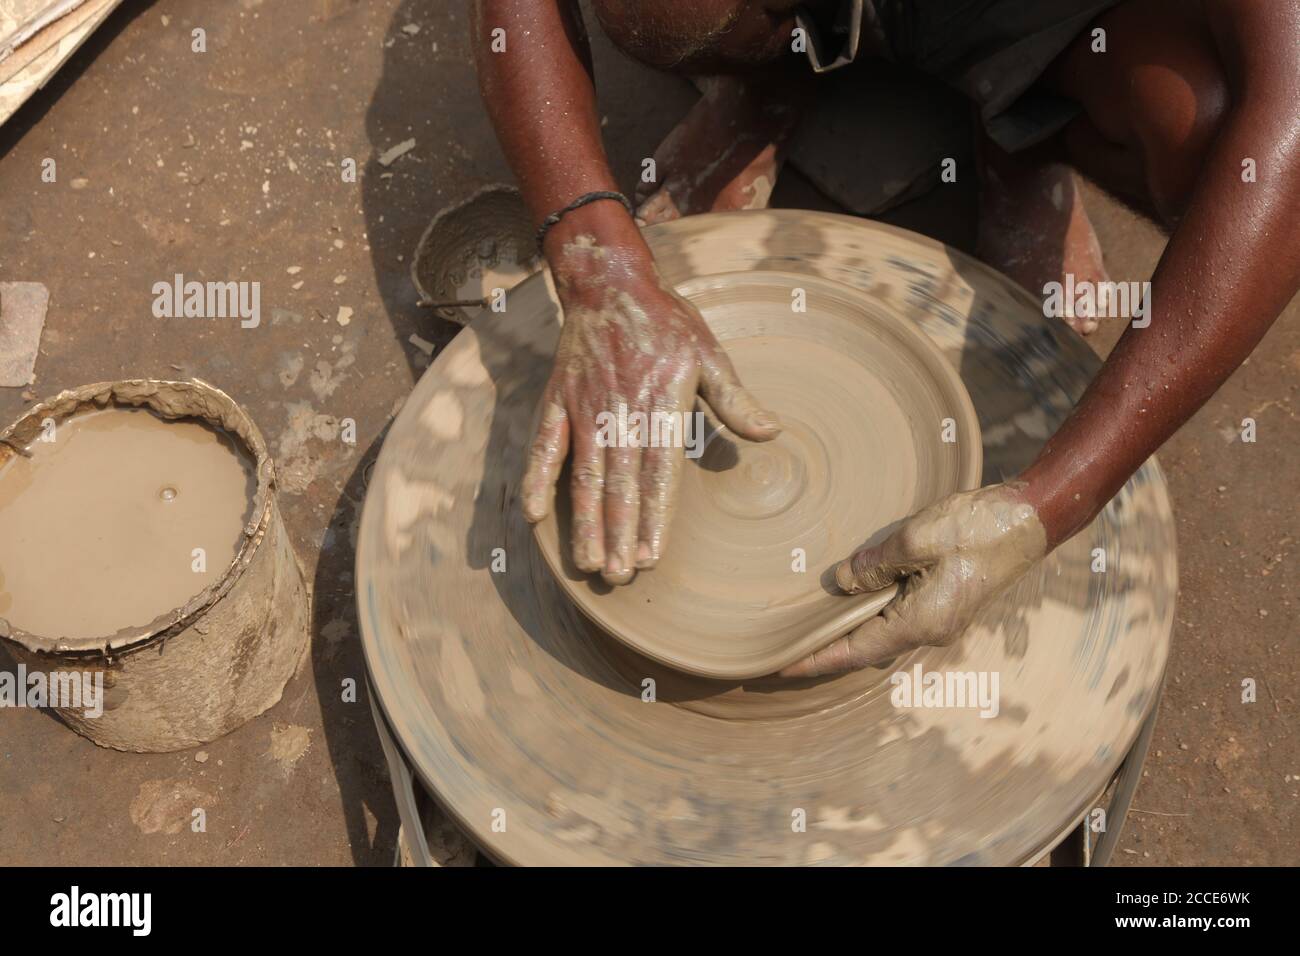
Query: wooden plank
[
  {"x": 20, "y": 20},
  {"x": 47, "y": 38},
  {"x": 16, "y": 90}
]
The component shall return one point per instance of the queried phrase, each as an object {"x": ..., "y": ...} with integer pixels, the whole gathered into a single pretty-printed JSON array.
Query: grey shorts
[{"x": 992, "y": 51}]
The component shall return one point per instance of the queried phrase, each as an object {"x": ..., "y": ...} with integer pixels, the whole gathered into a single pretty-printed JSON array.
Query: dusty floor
[{"x": 226, "y": 165}]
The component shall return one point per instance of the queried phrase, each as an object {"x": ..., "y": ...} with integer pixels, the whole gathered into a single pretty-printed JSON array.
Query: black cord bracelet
[{"x": 582, "y": 200}]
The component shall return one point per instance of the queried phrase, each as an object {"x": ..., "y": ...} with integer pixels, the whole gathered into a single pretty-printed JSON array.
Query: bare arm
[
  {"x": 541, "y": 96},
  {"x": 630, "y": 345},
  {"x": 1231, "y": 266}
]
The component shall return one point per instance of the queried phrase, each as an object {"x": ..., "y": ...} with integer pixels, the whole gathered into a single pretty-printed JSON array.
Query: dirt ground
[{"x": 226, "y": 165}]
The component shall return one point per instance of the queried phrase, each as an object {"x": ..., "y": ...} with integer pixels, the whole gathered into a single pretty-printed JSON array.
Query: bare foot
[
  {"x": 725, "y": 154},
  {"x": 1033, "y": 228}
]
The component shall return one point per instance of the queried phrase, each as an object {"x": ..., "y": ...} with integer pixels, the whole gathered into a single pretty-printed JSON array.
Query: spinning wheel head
[{"x": 512, "y": 706}]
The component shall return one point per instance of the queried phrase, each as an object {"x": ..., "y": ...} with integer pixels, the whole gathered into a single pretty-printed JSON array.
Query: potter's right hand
[{"x": 628, "y": 340}]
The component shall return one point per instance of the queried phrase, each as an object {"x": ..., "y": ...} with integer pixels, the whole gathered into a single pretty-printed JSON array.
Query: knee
[
  {"x": 659, "y": 36},
  {"x": 1177, "y": 111},
  {"x": 691, "y": 36}
]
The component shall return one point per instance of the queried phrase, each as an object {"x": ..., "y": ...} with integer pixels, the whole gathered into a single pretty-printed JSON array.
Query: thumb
[
  {"x": 871, "y": 569},
  {"x": 732, "y": 402}
]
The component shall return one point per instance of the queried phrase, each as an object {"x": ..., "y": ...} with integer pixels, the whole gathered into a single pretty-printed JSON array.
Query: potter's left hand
[{"x": 950, "y": 559}]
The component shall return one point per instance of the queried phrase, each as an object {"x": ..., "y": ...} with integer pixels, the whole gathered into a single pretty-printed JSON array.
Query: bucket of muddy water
[
  {"x": 148, "y": 590},
  {"x": 472, "y": 252}
]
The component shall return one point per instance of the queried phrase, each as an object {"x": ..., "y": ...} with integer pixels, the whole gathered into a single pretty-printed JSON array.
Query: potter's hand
[
  {"x": 629, "y": 345},
  {"x": 950, "y": 559}
]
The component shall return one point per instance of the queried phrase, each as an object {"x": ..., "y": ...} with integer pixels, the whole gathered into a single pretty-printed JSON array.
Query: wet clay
[
  {"x": 101, "y": 524},
  {"x": 550, "y": 742},
  {"x": 862, "y": 397}
]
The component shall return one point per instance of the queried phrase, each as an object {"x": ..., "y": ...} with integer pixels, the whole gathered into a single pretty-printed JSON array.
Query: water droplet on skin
[{"x": 167, "y": 494}]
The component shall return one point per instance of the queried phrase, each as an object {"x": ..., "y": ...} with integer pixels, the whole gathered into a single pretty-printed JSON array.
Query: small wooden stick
[{"x": 428, "y": 304}]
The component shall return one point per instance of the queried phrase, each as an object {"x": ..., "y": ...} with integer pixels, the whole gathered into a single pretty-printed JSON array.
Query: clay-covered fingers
[
  {"x": 911, "y": 619},
  {"x": 660, "y": 472},
  {"x": 622, "y": 513},
  {"x": 730, "y": 400},
  {"x": 952, "y": 558},
  {"x": 901, "y": 626},
  {"x": 587, "y": 478},
  {"x": 545, "y": 459}
]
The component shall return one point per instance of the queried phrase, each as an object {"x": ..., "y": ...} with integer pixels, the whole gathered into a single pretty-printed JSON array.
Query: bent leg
[
  {"x": 727, "y": 152},
  {"x": 1153, "y": 103},
  {"x": 1032, "y": 226}
]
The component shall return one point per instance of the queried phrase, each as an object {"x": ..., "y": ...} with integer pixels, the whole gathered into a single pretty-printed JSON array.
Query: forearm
[
  {"x": 1230, "y": 267},
  {"x": 541, "y": 97}
]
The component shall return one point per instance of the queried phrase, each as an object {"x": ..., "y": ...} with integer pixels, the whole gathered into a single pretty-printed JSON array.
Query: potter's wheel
[
  {"x": 529, "y": 724},
  {"x": 863, "y": 396}
]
